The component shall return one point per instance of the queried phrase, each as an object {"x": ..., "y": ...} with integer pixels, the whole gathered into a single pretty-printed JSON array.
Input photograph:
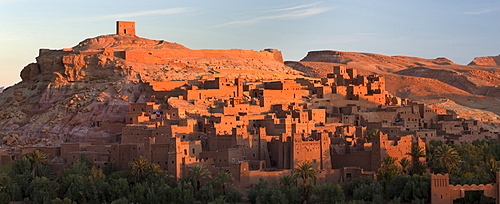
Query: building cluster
[{"x": 265, "y": 129}]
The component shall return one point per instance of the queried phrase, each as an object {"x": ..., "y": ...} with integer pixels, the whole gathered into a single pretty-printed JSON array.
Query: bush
[{"x": 368, "y": 192}]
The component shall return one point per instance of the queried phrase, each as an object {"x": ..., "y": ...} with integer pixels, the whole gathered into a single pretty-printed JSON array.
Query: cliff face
[
  {"x": 469, "y": 87},
  {"x": 82, "y": 93}
]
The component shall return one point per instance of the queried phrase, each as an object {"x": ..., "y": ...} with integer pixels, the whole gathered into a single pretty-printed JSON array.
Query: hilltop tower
[{"x": 125, "y": 28}]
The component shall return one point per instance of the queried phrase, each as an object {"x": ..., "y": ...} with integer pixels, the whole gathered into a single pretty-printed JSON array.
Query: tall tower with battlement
[{"x": 125, "y": 28}]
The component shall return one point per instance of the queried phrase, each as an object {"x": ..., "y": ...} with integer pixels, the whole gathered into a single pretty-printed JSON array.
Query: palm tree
[
  {"x": 492, "y": 168},
  {"x": 287, "y": 180},
  {"x": 369, "y": 136},
  {"x": 141, "y": 168},
  {"x": 447, "y": 158},
  {"x": 305, "y": 172},
  {"x": 405, "y": 163},
  {"x": 416, "y": 153},
  {"x": 223, "y": 177},
  {"x": 388, "y": 170},
  {"x": 197, "y": 173},
  {"x": 37, "y": 158}
]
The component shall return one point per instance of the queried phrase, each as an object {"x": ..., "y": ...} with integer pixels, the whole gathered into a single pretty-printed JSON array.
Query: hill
[
  {"x": 83, "y": 92},
  {"x": 470, "y": 90}
]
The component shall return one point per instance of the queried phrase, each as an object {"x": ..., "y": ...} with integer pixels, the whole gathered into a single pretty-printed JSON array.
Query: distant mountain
[
  {"x": 471, "y": 90},
  {"x": 1, "y": 89}
]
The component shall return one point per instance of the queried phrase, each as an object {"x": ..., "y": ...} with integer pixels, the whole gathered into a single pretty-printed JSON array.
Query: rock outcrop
[{"x": 486, "y": 61}]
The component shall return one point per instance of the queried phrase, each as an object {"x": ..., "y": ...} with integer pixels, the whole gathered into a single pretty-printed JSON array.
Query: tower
[
  {"x": 239, "y": 87},
  {"x": 440, "y": 192},
  {"x": 125, "y": 28}
]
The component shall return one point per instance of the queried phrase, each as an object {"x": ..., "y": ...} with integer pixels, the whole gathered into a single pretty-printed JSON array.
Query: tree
[
  {"x": 183, "y": 193},
  {"x": 416, "y": 153},
  {"x": 223, "y": 178},
  {"x": 205, "y": 194},
  {"x": 119, "y": 188},
  {"x": 388, "y": 170},
  {"x": 305, "y": 172},
  {"x": 197, "y": 173},
  {"x": 405, "y": 163},
  {"x": 409, "y": 188},
  {"x": 329, "y": 193},
  {"x": 369, "y": 136},
  {"x": 287, "y": 180},
  {"x": 492, "y": 168},
  {"x": 141, "y": 168},
  {"x": 368, "y": 192},
  {"x": 43, "y": 190},
  {"x": 446, "y": 158},
  {"x": 37, "y": 158},
  {"x": 418, "y": 168}
]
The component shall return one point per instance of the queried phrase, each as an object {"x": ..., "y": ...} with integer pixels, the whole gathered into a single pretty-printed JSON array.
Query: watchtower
[{"x": 125, "y": 28}]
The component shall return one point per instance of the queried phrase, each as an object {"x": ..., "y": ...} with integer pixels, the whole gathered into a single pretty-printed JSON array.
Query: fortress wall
[
  {"x": 354, "y": 159},
  {"x": 161, "y": 56}
]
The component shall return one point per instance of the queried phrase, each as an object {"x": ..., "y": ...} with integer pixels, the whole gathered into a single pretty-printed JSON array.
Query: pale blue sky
[{"x": 457, "y": 30}]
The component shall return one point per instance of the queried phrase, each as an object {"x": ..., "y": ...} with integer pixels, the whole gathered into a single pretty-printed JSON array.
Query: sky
[{"x": 457, "y": 30}]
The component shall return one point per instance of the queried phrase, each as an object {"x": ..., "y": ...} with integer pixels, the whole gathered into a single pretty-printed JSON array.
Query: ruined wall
[
  {"x": 164, "y": 56},
  {"x": 354, "y": 159}
]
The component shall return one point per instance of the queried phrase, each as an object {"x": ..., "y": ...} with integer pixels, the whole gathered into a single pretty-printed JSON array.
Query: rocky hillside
[
  {"x": 82, "y": 93},
  {"x": 472, "y": 90},
  {"x": 488, "y": 61}
]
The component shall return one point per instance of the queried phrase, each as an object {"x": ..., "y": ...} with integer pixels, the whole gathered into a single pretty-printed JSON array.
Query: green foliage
[
  {"x": 419, "y": 168},
  {"x": 368, "y": 192},
  {"x": 405, "y": 164},
  {"x": 356, "y": 183},
  {"x": 378, "y": 199},
  {"x": 37, "y": 159},
  {"x": 119, "y": 188},
  {"x": 62, "y": 201},
  {"x": 223, "y": 178},
  {"x": 446, "y": 160},
  {"x": 43, "y": 190},
  {"x": 306, "y": 173},
  {"x": 409, "y": 188},
  {"x": 109, "y": 168},
  {"x": 197, "y": 173},
  {"x": 183, "y": 193},
  {"x": 329, "y": 193},
  {"x": 141, "y": 169},
  {"x": 262, "y": 193},
  {"x": 137, "y": 193},
  {"x": 205, "y": 194},
  {"x": 388, "y": 170},
  {"x": 4, "y": 197},
  {"x": 121, "y": 201},
  {"x": 356, "y": 202},
  {"x": 233, "y": 196},
  {"x": 395, "y": 201},
  {"x": 30, "y": 180},
  {"x": 287, "y": 180}
]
